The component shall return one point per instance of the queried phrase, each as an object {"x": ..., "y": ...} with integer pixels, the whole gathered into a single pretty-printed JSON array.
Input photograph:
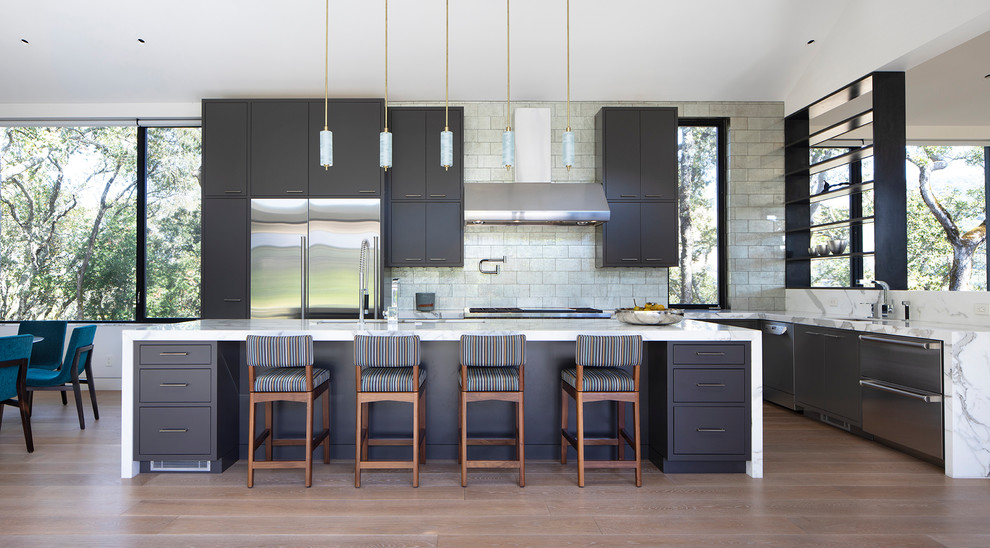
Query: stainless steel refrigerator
[{"x": 305, "y": 257}]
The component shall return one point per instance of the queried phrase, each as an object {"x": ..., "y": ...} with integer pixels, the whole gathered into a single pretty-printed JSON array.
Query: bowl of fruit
[{"x": 650, "y": 314}]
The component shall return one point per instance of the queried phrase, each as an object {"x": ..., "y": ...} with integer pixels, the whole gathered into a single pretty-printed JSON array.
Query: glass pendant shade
[
  {"x": 508, "y": 148},
  {"x": 446, "y": 149},
  {"x": 326, "y": 148},
  {"x": 385, "y": 149},
  {"x": 568, "y": 149}
]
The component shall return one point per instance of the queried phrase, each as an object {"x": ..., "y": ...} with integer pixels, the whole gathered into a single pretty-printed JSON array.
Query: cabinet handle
[
  {"x": 879, "y": 385},
  {"x": 649, "y": 259},
  {"x": 414, "y": 195},
  {"x": 438, "y": 195},
  {"x": 173, "y": 353},
  {"x": 710, "y": 384},
  {"x": 367, "y": 191},
  {"x": 232, "y": 192},
  {"x": 934, "y": 345},
  {"x": 415, "y": 260},
  {"x": 293, "y": 192},
  {"x": 832, "y": 336},
  {"x": 231, "y": 300},
  {"x": 627, "y": 195},
  {"x": 632, "y": 259},
  {"x": 711, "y": 429},
  {"x": 710, "y": 353},
  {"x": 654, "y": 195},
  {"x": 174, "y": 384},
  {"x": 437, "y": 259},
  {"x": 173, "y": 430},
  {"x": 815, "y": 333}
]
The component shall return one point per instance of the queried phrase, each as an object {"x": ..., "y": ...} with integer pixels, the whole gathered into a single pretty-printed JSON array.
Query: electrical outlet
[
  {"x": 109, "y": 363},
  {"x": 981, "y": 309},
  {"x": 832, "y": 301}
]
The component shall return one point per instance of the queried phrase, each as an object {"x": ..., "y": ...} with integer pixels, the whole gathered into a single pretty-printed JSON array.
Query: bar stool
[
  {"x": 599, "y": 377},
  {"x": 387, "y": 369},
  {"x": 280, "y": 368},
  {"x": 493, "y": 368}
]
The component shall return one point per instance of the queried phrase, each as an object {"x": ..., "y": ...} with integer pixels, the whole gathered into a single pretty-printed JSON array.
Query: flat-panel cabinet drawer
[
  {"x": 709, "y": 386},
  {"x": 709, "y": 354},
  {"x": 710, "y": 430},
  {"x": 174, "y": 431},
  {"x": 176, "y": 354},
  {"x": 176, "y": 386}
]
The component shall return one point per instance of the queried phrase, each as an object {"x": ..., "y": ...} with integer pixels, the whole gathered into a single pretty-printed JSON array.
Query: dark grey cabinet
[
  {"x": 638, "y": 152},
  {"x": 639, "y": 234},
  {"x": 185, "y": 407},
  {"x": 416, "y": 173},
  {"x": 426, "y": 234},
  {"x": 225, "y": 148},
  {"x": 356, "y": 124},
  {"x": 705, "y": 398},
  {"x": 279, "y": 148},
  {"x": 826, "y": 372},
  {"x": 224, "y": 259}
]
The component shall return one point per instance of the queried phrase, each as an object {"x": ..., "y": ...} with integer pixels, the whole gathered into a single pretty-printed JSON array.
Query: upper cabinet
[
  {"x": 416, "y": 173},
  {"x": 355, "y": 124},
  {"x": 225, "y": 136},
  {"x": 279, "y": 156},
  {"x": 637, "y": 152}
]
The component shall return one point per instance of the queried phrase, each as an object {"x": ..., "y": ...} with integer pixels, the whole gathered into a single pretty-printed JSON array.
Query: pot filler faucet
[
  {"x": 883, "y": 307},
  {"x": 362, "y": 281}
]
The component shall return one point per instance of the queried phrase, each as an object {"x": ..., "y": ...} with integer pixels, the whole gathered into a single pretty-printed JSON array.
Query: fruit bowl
[{"x": 649, "y": 317}]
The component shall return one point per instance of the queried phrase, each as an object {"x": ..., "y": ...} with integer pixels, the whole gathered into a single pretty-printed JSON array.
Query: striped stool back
[
  {"x": 280, "y": 351},
  {"x": 386, "y": 350},
  {"x": 493, "y": 350},
  {"x": 609, "y": 350}
]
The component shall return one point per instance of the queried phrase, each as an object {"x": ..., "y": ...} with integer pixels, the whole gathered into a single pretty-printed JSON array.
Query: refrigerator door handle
[{"x": 303, "y": 278}]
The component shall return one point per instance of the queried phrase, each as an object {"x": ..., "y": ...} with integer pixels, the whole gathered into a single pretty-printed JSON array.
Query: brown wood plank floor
[{"x": 823, "y": 487}]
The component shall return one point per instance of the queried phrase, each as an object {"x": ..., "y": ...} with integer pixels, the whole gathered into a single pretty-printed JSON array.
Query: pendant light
[
  {"x": 326, "y": 136},
  {"x": 508, "y": 138},
  {"x": 568, "y": 141},
  {"x": 385, "y": 138},
  {"x": 446, "y": 136}
]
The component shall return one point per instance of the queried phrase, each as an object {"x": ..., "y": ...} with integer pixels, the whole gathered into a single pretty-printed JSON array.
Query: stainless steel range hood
[{"x": 535, "y": 203}]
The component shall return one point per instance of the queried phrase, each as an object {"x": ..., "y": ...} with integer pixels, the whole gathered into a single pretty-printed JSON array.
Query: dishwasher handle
[
  {"x": 930, "y": 345},
  {"x": 775, "y": 329},
  {"x": 926, "y": 397}
]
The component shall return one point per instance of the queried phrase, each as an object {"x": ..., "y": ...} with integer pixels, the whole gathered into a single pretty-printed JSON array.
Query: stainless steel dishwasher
[
  {"x": 778, "y": 363},
  {"x": 902, "y": 392}
]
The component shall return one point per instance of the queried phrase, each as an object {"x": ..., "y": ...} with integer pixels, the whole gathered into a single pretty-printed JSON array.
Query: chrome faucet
[
  {"x": 883, "y": 307},
  {"x": 362, "y": 281}
]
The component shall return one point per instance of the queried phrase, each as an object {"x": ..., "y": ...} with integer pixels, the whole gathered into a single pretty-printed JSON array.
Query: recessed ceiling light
[
  {"x": 811, "y": 42},
  {"x": 25, "y": 41},
  {"x": 141, "y": 40}
]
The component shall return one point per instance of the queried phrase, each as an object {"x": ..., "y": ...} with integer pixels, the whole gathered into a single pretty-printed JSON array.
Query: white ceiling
[{"x": 85, "y": 58}]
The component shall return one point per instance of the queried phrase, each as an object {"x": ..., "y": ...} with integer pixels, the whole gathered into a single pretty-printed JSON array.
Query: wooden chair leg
[
  {"x": 252, "y": 410},
  {"x": 270, "y": 440},
  {"x": 563, "y": 424},
  {"x": 92, "y": 390},
  {"x": 521, "y": 440},
  {"x": 639, "y": 443},
  {"x": 579, "y": 414},
  {"x": 462, "y": 426},
  {"x": 620, "y": 412},
  {"x": 25, "y": 423},
  {"x": 308, "y": 445},
  {"x": 65, "y": 400},
  {"x": 1, "y": 415},
  {"x": 79, "y": 408},
  {"x": 359, "y": 416},
  {"x": 326, "y": 426}
]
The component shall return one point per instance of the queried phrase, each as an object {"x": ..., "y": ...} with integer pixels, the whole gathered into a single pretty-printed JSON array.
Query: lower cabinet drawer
[
  {"x": 174, "y": 431},
  {"x": 176, "y": 354},
  {"x": 709, "y": 385},
  {"x": 710, "y": 430},
  {"x": 709, "y": 354},
  {"x": 175, "y": 386}
]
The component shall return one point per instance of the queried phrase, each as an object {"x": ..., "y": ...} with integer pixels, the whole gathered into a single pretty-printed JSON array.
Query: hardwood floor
[{"x": 822, "y": 487}]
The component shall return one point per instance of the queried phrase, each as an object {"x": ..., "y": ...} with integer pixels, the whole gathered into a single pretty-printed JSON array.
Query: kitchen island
[{"x": 550, "y": 346}]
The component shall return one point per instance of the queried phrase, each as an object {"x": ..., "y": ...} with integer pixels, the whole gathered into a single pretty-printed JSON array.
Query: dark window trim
[{"x": 721, "y": 214}]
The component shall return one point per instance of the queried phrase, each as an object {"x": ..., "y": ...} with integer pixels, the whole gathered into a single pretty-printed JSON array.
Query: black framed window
[
  {"x": 701, "y": 279},
  {"x": 100, "y": 223}
]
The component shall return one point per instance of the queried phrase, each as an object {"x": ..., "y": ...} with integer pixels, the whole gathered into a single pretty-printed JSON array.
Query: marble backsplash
[{"x": 955, "y": 307}]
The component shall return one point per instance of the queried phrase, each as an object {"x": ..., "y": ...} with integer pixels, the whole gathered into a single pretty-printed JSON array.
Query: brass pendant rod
[
  {"x": 446, "y": 67},
  {"x": 508, "y": 127},
  {"x": 326, "y": 71},
  {"x": 568, "y": 65},
  {"x": 386, "y": 66}
]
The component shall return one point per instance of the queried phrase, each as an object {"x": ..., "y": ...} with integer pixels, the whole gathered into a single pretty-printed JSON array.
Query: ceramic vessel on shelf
[
  {"x": 822, "y": 249},
  {"x": 649, "y": 317},
  {"x": 836, "y": 246},
  {"x": 812, "y": 251}
]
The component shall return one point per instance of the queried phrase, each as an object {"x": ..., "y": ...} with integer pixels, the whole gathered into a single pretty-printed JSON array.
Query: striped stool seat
[
  {"x": 390, "y": 379},
  {"x": 288, "y": 379},
  {"x": 491, "y": 379},
  {"x": 600, "y": 379}
]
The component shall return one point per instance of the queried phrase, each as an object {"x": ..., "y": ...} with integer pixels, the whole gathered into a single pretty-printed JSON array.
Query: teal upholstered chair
[
  {"x": 493, "y": 368},
  {"x": 47, "y": 353},
  {"x": 387, "y": 369},
  {"x": 280, "y": 368},
  {"x": 15, "y": 354},
  {"x": 78, "y": 359},
  {"x": 601, "y": 374}
]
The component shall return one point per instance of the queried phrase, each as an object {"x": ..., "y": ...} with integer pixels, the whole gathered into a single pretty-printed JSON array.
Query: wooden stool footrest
[
  {"x": 387, "y": 464},
  {"x": 610, "y": 463},
  {"x": 491, "y": 441},
  {"x": 493, "y": 464}
]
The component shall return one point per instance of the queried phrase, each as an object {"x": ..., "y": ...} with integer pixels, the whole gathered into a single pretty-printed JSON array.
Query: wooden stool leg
[
  {"x": 270, "y": 440},
  {"x": 359, "y": 417},
  {"x": 521, "y": 440},
  {"x": 639, "y": 443},
  {"x": 308, "y": 444},
  {"x": 580, "y": 438},
  {"x": 251, "y": 436},
  {"x": 326, "y": 426},
  {"x": 620, "y": 408},
  {"x": 366, "y": 429},
  {"x": 563, "y": 424},
  {"x": 462, "y": 426},
  {"x": 415, "y": 441},
  {"x": 422, "y": 426}
]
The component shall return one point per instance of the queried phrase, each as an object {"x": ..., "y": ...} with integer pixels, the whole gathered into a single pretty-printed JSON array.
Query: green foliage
[{"x": 696, "y": 280}]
